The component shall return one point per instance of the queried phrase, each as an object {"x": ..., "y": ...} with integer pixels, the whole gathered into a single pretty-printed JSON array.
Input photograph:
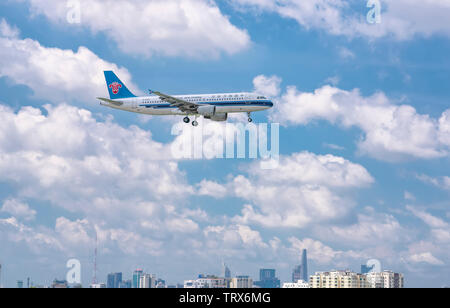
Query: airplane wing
[{"x": 183, "y": 105}]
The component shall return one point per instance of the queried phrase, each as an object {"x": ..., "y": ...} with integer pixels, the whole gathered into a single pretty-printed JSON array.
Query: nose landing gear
[{"x": 250, "y": 120}]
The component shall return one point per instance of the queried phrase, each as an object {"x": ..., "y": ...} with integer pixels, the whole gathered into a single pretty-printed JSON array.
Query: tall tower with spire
[{"x": 304, "y": 269}]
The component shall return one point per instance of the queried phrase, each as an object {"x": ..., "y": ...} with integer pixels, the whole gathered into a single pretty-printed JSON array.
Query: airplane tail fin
[{"x": 116, "y": 87}]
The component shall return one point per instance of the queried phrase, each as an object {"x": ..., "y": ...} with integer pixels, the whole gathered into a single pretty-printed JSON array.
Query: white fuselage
[{"x": 224, "y": 103}]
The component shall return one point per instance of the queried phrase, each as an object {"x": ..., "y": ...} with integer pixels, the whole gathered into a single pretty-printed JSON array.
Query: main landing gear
[
  {"x": 187, "y": 121},
  {"x": 250, "y": 120}
]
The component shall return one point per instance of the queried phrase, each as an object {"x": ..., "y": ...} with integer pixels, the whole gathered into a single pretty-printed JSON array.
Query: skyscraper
[
  {"x": 300, "y": 272},
  {"x": 137, "y": 278},
  {"x": 268, "y": 279},
  {"x": 304, "y": 269},
  {"x": 297, "y": 274},
  {"x": 114, "y": 280},
  {"x": 226, "y": 271}
]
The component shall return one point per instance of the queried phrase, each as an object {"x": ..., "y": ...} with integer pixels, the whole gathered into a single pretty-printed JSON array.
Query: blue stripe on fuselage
[{"x": 236, "y": 103}]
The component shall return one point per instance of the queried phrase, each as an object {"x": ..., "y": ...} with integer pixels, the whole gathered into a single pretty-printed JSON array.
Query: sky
[{"x": 364, "y": 114}]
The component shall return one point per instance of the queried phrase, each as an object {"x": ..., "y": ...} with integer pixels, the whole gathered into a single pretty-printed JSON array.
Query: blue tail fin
[{"x": 116, "y": 87}]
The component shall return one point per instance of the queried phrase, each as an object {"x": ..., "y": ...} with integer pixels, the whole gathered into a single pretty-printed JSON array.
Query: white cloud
[
  {"x": 269, "y": 86},
  {"x": 305, "y": 188},
  {"x": 320, "y": 252},
  {"x": 6, "y": 30},
  {"x": 210, "y": 188},
  {"x": 425, "y": 257},
  {"x": 346, "y": 53},
  {"x": 440, "y": 182},
  {"x": 430, "y": 220},
  {"x": 371, "y": 229},
  {"x": 236, "y": 235},
  {"x": 391, "y": 132},
  {"x": 52, "y": 73},
  {"x": 18, "y": 209},
  {"x": 193, "y": 28},
  {"x": 409, "y": 196},
  {"x": 400, "y": 19},
  {"x": 38, "y": 241},
  {"x": 309, "y": 168},
  {"x": 440, "y": 229},
  {"x": 74, "y": 232},
  {"x": 101, "y": 170}
]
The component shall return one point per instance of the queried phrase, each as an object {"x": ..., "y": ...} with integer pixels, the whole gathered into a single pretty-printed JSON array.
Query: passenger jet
[{"x": 215, "y": 107}]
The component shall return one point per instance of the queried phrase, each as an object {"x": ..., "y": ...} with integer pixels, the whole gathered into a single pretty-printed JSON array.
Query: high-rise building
[
  {"x": 297, "y": 274},
  {"x": 226, "y": 271},
  {"x": 147, "y": 281},
  {"x": 304, "y": 268},
  {"x": 268, "y": 279},
  {"x": 385, "y": 280},
  {"x": 114, "y": 280},
  {"x": 241, "y": 282},
  {"x": 19, "y": 284},
  {"x": 338, "y": 280},
  {"x": 300, "y": 272},
  {"x": 127, "y": 284},
  {"x": 137, "y": 278}
]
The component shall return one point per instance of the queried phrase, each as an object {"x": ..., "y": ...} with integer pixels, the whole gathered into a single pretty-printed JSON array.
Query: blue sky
[{"x": 364, "y": 139}]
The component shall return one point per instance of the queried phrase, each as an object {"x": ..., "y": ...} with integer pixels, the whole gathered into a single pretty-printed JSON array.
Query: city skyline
[{"x": 267, "y": 278}]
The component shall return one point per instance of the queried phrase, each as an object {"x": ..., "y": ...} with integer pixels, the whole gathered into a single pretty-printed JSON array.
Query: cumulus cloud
[
  {"x": 37, "y": 240},
  {"x": 371, "y": 229},
  {"x": 269, "y": 86},
  {"x": 425, "y": 257},
  {"x": 400, "y": 19},
  {"x": 210, "y": 188},
  {"x": 193, "y": 28},
  {"x": 392, "y": 132},
  {"x": 320, "y": 252},
  {"x": 54, "y": 74},
  {"x": 18, "y": 209},
  {"x": 305, "y": 188},
  {"x": 440, "y": 229}
]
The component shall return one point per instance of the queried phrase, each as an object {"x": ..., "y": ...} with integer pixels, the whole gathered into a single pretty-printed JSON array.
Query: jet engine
[
  {"x": 209, "y": 112},
  {"x": 218, "y": 117}
]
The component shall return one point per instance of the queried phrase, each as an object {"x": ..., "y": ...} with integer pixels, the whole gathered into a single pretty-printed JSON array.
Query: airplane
[{"x": 215, "y": 107}]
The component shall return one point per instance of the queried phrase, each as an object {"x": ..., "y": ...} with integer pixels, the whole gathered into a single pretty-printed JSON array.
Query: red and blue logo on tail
[{"x": 116, "y": 87}]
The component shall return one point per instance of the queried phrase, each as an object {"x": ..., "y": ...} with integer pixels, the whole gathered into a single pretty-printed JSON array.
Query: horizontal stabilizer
[{"x": 115, "y": 103}]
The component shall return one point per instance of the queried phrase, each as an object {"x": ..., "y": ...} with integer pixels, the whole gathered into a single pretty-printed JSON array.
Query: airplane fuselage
[{"x": 224, "y": 103}]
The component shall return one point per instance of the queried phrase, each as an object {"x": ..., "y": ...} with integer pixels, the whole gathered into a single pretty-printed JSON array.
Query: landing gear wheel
[
  {"x": 250, "y": 120},
  {"x": 186, "y": 120},
  {"x": 195, "y": 123}
]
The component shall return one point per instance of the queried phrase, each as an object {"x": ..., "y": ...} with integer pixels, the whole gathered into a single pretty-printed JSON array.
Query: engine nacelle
[
  {"x": 207, "y": 111},
  {"x": 218, "y": 117}
]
